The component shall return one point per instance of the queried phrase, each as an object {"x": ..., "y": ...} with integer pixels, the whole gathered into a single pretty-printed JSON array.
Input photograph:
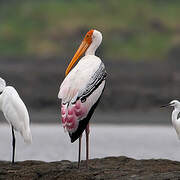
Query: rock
[{"x": 105, "y": 168}]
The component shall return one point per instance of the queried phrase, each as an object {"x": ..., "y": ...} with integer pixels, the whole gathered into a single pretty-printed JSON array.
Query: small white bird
[
  {"x": 15, "y": 113},
  {"x": 175, "y": 119}
]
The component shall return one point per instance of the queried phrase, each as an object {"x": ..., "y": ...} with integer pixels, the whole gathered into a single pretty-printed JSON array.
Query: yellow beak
[{"x": 82, "y": 48}]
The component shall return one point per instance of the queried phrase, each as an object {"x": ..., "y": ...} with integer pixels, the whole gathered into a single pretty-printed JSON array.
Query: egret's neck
[{"x": 175, "y": 115}]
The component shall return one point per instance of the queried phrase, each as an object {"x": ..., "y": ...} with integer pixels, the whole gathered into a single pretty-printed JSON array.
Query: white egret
[
  {"x": 81, "y": 89},
  {"x": 15, "y": 113},
  {"x": 175, "y": 119}
]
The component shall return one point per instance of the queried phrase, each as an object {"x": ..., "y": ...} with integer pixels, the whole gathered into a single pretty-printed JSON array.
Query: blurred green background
[
  {"x": 138, "y": 30},
  {"x": 140, "y": 49}
]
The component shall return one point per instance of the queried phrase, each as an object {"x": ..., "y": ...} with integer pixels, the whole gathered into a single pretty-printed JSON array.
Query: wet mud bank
[{"x": 106, "y": 168}]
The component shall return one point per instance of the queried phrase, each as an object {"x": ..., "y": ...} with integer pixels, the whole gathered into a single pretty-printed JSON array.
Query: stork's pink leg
[
  {"x": 87, "y": 145},
  {"x": 79, "y": 157}
]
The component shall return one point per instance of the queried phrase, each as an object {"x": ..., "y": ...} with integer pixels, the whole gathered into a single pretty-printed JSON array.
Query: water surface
[{"x": 50, "y": 143}]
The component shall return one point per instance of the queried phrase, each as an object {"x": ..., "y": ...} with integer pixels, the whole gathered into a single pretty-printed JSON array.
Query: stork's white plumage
[
  {"x": 78, "y": 77},
  {"x": 15, "y": 112},
  {"x": 82, "y": 88}
]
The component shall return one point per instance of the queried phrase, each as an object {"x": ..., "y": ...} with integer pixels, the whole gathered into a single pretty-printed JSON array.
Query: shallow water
[
  {"x": 155, "y": 116},
  {"x": 50, "y": 143}
]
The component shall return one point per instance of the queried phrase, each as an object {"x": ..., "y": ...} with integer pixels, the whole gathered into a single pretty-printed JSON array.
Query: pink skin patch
[
  {"x": 70, "y": 111},
  {"x": 78, "y": 105},
  {"x": 72, "y": 114},
  {"x": 63, "y": 112}
]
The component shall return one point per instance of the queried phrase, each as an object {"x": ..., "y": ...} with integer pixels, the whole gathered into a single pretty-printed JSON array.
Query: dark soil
[
  {"x": 106, "y": 168},
  {"x": 130, "y": 85}
]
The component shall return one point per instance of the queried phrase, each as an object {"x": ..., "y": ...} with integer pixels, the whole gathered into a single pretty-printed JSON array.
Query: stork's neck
[
  {"x": 96, "y": 41},
  {"x": 175, "y": 115},
  {"x": 92, "y": 49}
]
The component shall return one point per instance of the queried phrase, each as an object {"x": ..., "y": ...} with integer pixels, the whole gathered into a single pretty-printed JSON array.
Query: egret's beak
[
  {"x": 82, "y": 48},
  {"x": 165, "y": 105}
]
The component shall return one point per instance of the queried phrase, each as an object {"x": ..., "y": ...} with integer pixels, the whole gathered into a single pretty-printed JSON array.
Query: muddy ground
[{"x": 106, "y": 168}]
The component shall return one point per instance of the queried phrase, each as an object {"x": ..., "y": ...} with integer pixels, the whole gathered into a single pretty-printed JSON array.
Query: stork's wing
[
  {"x": 80, "y": 105},
  {"x": 93, "y": 84}
]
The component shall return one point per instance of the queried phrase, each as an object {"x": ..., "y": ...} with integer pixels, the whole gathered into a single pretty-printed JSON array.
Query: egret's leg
[
  {"x": 87, "y": 145},
  {"x": 79, "y": 157},
  {"x": 13, "y": 144}
]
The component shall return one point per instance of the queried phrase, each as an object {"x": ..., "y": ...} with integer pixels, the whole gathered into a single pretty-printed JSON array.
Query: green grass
[{"x": 133, "y": 29}]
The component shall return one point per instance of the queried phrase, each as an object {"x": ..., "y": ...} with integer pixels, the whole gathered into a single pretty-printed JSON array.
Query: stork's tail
[{"x": 27, "y": 135}]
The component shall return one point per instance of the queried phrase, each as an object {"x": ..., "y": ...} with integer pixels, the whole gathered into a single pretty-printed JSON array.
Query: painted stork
[{"x": 81, "y": 89}]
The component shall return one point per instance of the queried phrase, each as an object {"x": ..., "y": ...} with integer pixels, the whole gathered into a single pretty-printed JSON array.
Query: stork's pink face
[{"x": 82, "y": 49}]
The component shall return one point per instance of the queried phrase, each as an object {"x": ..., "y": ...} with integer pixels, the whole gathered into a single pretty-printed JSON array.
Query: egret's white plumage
[
  {"x": 14, "y": 110},
  {"x": 175, "y": 120},
  {"x": 2, "y": 84}
]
